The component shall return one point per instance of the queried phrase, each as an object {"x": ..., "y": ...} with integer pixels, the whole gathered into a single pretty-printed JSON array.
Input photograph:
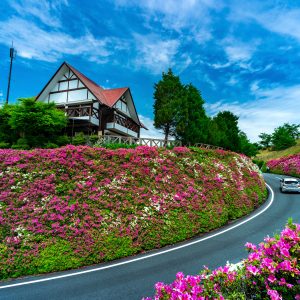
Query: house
[{"x": 90, "y": 108}]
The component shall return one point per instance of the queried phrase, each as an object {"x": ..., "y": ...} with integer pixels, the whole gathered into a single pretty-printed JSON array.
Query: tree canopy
[
  {"x": 168, "y": 93},
  {"x": 191, "y": 122},
  {"x": 179, "y": 111},
  {"x": 31, "y": 122},
  {"x": 227, "y": 126},
  {"x": 282, "y": 138}
]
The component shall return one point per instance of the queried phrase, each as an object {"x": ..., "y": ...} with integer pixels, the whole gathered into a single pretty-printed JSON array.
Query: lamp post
[{"x": 12, "y": 54}]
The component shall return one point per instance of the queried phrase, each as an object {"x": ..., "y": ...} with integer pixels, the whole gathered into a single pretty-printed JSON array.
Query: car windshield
[{"x": 290, "y": 181}]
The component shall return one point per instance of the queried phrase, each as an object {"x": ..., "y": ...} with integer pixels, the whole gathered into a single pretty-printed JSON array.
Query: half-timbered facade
[{"x": 89, "y": 107}]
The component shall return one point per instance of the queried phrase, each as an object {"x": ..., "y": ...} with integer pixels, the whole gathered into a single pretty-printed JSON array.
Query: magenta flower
[{"x": 274, "y": 295}]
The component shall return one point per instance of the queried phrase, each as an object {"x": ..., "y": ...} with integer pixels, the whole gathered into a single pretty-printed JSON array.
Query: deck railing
[{"x": 111, "y": 139}]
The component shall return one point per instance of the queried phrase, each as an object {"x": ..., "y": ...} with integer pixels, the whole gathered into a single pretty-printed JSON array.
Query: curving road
[{"x": 135, "y": 277}]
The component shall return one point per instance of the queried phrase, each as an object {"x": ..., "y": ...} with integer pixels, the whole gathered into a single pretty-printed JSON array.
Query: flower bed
[
  {"x": 271, "y": 271},
  {"x": 74, "y": 206},
  {"x": 289, "y": 165}
]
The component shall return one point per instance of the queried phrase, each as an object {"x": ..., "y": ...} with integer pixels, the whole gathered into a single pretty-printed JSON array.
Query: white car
[{"x": 289, "y": 185}]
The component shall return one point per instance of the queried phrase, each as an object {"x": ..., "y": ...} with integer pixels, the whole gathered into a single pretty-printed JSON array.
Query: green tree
[
  {"x": 283, "y": 138},
  {"x": 265, "y": 140},
  {"x": 292, "y": 129},
  {"x": 7, "y": 135},
  {"x": 191, "y": 122},
  {"x": 167, "y": 97},
  {"x": 246, "y": 146},
  {"x": 36, "y": 122},
  {"x": 214, "y": 134},
  {"x": 228, "y": 130}
]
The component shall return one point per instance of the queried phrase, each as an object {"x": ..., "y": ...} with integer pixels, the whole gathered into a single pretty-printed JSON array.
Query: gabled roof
[{"x": 113, "y": 95}]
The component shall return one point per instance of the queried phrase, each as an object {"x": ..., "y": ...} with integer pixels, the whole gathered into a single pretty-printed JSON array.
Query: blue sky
[{"x": 244, "y": 56}]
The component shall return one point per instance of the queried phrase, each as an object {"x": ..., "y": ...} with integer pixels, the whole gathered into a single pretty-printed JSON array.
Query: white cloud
[
  {"x": 152, "y": 132},
  {"x": 238, "y": 52},
  {"x": 275, "y": 17},
  {"x": 272, "y": 108},
  {"x": 282, "y": 22},
  {"x": 207, "y": 79},
  {"x": 254, "y": 87},
  {"x": 179, "y": 16},
  {"x": 33, "y": 42},
  {"x": 44, "y": 10},
  {"x": 220, "y": 65},
  {"x": 155, "y": 54},
  {"x": 233, "y": 80}
]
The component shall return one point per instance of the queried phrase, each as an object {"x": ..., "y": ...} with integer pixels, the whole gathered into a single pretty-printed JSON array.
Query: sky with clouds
[{"x": 244, "y": 56}]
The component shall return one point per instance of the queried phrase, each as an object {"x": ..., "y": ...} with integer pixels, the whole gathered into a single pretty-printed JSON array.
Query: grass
[{"x": 267, "y": 155}]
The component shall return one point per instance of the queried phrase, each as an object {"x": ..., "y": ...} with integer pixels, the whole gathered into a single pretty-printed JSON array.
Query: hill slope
[
  {"x": 266, "y": 155},
  {"x": 74, "y": 206}
]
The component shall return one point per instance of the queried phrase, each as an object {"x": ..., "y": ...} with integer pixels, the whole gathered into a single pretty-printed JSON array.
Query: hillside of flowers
[
  {"x": 289, "y": 165},
  {"x": 271, "y": 271},
  {"x": 75, "y": 206}
]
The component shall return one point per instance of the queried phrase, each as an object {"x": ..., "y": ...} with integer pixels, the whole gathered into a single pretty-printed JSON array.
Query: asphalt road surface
[{"x": 135, "y": 277}]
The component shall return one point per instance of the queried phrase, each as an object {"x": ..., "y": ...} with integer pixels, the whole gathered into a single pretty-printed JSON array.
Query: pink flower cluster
[
  {"x": 95, "y": 204},
  {"x": 271, "y": 271},
  {"x": 289, "y": 165}
]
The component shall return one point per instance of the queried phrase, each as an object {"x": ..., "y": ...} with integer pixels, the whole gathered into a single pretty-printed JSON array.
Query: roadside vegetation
[
  {"x": 288, "y": 165},
  {"x": 75, "y": 206},
  {"x": 271, "y": 271}
]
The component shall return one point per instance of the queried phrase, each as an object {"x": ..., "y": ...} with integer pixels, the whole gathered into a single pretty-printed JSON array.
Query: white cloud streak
[
  {"x": 33, "y": 42},
  {"x": 156, "y": 55},
  {"x": 178, "y": 16},
  {"x": 272, "y": 108},
  {"x": 43, "y": 10}
]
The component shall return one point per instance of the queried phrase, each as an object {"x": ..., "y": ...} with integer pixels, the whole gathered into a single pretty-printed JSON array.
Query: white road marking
[{"x": 146, "y": 256}]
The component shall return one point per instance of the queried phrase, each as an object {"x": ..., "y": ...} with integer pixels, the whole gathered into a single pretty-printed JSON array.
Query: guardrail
[{"x": 107, "y": 139}]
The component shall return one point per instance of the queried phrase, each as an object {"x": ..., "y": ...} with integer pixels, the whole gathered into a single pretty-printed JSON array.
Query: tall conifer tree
[{"x": 167, "y": 96}]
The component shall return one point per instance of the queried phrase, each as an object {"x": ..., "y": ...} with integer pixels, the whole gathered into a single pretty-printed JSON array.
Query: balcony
[
  {"x": 83, "y": 112},
  {"x": 122, "y": 125}
]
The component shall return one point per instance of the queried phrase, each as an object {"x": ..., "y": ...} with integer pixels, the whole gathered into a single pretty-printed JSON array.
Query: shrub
[
  {"x": 261, "y": 164},
  {"x": 20, "y": 147},
  {"x": 271, "y": 271},
  {"x": 289, "y": 165},
  {"x": 22, "y": 144},
  {"x": 50, "y": 145},
  {"x": 4, "y": 145},
  {"x": 79, "y": 139},
  {"x": 62, "y": 140},
  {"x": 93, "y": 138}
]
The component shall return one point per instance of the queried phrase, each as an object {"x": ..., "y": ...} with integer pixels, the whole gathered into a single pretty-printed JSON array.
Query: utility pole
[{"x": 12, "y": 54}]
